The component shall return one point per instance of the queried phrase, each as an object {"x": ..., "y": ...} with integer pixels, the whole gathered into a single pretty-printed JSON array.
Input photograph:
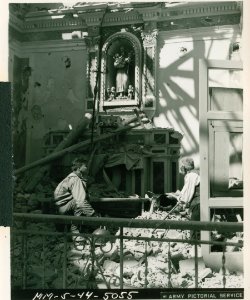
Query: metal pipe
[{"x": 134, "y": 223}]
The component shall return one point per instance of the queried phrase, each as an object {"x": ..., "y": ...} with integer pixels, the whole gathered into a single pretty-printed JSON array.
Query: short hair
[
  {"x": 78, "y": 162},
  {"x": 187, "y": 163}
]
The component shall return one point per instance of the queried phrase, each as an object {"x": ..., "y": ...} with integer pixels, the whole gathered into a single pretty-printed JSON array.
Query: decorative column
[
  {"x": 94, "y": 23},
  {"x": 149, "y": 70},
  {"x": 92, "y": 43}
]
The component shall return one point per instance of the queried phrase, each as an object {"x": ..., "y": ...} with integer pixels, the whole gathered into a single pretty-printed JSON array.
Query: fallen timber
[
  {"x": 80, "y": 145},
  {"x": 69, "y": 140}
]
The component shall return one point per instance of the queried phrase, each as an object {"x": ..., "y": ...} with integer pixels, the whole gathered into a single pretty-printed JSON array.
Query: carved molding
[
  {"x": 92, "y": 19},
  {"x": 120, "y": 18},
  {"x": 92, "y": 43},
  {"x": 75, "y": 18},
  {"x": 15, "y": 22},
  {"x": 200, "y": 9},
  {"x": 46, "y": 46},
  {"x": 90, "y": 74},
  {"x": 149, "y": 72},
  {"x": 149, "y": 38},
  {"x": 92, "y": 65},
  {"x": 48, "y": 25}
]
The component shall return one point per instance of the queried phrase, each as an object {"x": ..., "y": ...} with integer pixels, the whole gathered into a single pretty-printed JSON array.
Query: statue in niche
[
  {"x": 108, "y": 93},
  {"x": 111, "y": 93},
  {"x": 130, "y": 92},
  {"x": 121, "y": 64}
]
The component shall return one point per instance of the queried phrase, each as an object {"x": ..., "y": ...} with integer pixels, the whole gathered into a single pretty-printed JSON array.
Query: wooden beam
[{"x": 80, "y": 145}]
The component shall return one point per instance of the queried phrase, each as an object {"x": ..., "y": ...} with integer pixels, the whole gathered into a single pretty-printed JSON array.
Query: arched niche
[{"x": 121, "y": 71}]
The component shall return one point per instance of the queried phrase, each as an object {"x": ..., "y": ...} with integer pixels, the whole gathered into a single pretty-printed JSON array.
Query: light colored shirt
[
  {"x": 73, "y": 188},
  {"x": 191, "y": 180}
]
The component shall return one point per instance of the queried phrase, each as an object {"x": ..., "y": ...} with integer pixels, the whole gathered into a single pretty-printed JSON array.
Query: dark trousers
[
  {"x": 194, "y": 216},
  {"x": 69, "y": 209}
]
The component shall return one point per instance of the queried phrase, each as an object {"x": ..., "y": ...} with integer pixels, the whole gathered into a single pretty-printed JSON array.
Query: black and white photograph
[{"x": 127, "y": 144}]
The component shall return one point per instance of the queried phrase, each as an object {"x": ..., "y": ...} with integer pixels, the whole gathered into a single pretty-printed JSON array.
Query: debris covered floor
[{"x": 45, "y": 260}]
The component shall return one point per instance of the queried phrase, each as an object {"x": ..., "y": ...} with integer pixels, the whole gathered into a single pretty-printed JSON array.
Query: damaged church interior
[{"x": 132, "y": 87}]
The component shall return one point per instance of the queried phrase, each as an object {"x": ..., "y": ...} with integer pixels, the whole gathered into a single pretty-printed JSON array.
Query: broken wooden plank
[
  {"x": 80, "y": 145},
  {"x": 69, "y": 140}
]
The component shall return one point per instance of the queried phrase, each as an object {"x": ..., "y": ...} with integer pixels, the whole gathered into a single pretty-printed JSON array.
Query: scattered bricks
[
  {"x": 110, "y": 266},
  {"x": 110, "y": 251},
  {"x": 178, "y": 281},
  {"x": 130, "y": 261},
  {"x": 176, "y": 258},
  {"x": 127, "y": 272},
  {"x": 74, "y": 254},
  {"x": 173, "y": 234},
  {"x": 206, "y": 273},
  {"x": 138, "y": 255},
  {"x": 188, "y": 265},
  {"x": 81, "y": 264}
]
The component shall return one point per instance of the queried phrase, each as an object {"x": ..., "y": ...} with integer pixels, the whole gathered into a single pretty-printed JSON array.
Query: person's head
[
  {"x": 79, "y": 165},
  {"x": 186, "y": 164}
]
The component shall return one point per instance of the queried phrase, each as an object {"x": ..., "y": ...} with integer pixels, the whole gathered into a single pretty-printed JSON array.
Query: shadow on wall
[
  {"x": 178, "y": 85},
  {"x": 178, "y": 91}
]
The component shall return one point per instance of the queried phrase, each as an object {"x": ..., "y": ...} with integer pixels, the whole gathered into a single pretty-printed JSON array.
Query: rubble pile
[
  {"x": 36, "y": 255},
  {"x": 156, "y": 263},
  {"x": 158, "y": 259},
  {"x": 37, "y": 201}
]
